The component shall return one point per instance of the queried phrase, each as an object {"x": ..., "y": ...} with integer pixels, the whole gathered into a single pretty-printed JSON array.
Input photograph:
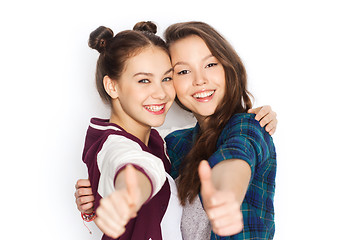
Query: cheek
[
  {"x": 179, "y": 91},
  {"x": 170, "y": 91},
  {"x": 220, "y": 81},
  {"x": 180, "y": 86},
  {"x": 221, "y": 76}
]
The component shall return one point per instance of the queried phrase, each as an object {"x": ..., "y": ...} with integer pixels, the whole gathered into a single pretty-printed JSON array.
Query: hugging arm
[
  {"x": 84, "y": 197},
  {"x": 267, "y": 117}
]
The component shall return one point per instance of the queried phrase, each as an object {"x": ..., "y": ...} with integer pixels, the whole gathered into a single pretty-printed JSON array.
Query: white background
[{"x": 302, "y": 58}]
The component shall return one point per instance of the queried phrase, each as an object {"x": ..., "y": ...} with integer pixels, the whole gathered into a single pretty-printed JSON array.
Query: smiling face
[
  {"x": 199, "y": 78},
  {"x": 145, "y": 90}
]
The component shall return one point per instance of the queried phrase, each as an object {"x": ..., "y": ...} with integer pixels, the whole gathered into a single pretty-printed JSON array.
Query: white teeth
[
  {"x": 203, "y": 94},
  {"x": 155, "y": 108}
]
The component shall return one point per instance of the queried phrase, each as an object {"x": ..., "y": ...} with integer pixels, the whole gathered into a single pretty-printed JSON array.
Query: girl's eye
[
  {"x": 167, "y": 79},
  {"x": 183, "y": 72},
  {"x": 144, "y": 81},
  {"x": 211, "y": 65}
]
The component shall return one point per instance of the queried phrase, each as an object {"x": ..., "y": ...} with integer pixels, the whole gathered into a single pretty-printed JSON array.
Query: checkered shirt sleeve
[{"x": 243, "y": 138}]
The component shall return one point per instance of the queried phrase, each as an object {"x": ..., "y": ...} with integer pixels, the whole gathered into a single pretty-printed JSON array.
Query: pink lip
[
  {"x": 205, "y": 99},
  {"x": 158, "y": 112}
]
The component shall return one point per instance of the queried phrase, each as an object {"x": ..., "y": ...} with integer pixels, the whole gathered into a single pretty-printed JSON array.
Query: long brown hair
[
  {"x": 236, "y": 100},
  {"x": 115, "y": 51}
]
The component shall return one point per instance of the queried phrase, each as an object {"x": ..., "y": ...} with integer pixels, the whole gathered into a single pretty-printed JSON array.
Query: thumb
[
  {"x": 131, "y": 183},
  {"x": 207, "y": 187},
  {"x": 253, "y": 110}
]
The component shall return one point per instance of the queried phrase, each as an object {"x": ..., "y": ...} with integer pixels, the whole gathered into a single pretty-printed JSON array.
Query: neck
[
  {"x": 201, "y": 120},
  {"x": 134, "y": 128}
]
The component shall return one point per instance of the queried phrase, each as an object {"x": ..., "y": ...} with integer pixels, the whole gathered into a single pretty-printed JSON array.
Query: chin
[
  {"x": 206, "y": 113},
  {"x": 157, "y": 123}
]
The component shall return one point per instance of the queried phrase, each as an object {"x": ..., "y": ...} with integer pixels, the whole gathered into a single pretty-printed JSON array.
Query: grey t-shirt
[{"x": 195, "y": 224}]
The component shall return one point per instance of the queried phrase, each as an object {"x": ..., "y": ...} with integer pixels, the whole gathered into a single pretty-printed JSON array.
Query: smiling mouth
[
  {"x": 202, "y": 95},
  {"x": 156, "y": 109}
]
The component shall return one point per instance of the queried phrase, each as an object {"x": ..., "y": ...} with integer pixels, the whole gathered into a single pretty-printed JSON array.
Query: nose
[
  {"x": 200, "y": 78},
  {"x": 159, "y": 92}
]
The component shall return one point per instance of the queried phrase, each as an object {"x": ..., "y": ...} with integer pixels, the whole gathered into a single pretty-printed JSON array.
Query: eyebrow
[
  {"x": 169, "y": 71},
  {"x": 150, "y": 74},
  {"x": 143, "y": 73},
  {"x": 185, "y": 63}
]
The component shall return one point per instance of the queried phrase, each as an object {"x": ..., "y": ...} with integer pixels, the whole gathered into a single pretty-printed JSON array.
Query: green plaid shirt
[{"x": 242, "y": 138}]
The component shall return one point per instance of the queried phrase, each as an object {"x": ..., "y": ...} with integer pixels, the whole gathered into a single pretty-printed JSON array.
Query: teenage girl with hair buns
[{"x": 126, "y": 159}]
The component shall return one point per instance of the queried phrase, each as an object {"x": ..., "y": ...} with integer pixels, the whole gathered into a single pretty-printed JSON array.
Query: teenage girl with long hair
[{"x": 236, "y": 181}]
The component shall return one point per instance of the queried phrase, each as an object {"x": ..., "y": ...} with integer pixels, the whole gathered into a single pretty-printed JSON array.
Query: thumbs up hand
[
  {"x": 119, "y": 207},
  {"x": 222, "y": 208}
]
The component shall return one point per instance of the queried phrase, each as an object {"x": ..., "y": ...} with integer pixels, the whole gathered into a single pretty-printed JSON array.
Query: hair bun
[
  {"x": 99, "y": 38},
  {"x": 147, "y": 26}
]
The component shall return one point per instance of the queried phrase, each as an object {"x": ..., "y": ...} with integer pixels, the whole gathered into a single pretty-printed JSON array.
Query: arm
[
  {"x": 223, "y": 189},
  {"x": 267, "y": 117},
  {"x": 232, "y": 175},
  {"x": 124, "y": 189},
  {"x": 242, "y": 148},
  {"x": 132, "y": 190},
  {"x": 84, "y": 197}
]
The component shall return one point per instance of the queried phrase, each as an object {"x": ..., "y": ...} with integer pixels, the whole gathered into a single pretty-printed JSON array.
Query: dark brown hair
[
  {"x": 236, "y": 100},
  {"x": 115, "y": 51}
]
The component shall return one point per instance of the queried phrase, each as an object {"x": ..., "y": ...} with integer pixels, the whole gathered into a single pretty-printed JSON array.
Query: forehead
[
  {"x": 190, "y": 48},
  {"x": 150, "y": 59}
]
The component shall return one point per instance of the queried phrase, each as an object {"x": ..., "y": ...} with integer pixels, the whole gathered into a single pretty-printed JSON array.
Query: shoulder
[
  {"x": 97, "y": 134},
  {"x": 114, "y": 137},
  {"x": 243, "y": 138},
  {"x": 243, "y": 127},
  {"x": 118, "y": 138},
  {"x": 178, "y": 144},
  {"x": 117, "y": 145},
  {"x": 109, "y": 136},
  {"x": 244, "y": 124},
  {"x": 243, "y": 120},
  {"x": 179, "y": 134},
  {"x": 100, "y": 129}
]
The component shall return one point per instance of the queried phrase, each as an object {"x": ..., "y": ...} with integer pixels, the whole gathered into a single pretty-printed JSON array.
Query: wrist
[{"x": 88, "y": 217}]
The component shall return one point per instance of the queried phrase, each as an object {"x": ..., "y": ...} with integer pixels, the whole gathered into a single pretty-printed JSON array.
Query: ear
[{"x": 110, "y": 87}]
